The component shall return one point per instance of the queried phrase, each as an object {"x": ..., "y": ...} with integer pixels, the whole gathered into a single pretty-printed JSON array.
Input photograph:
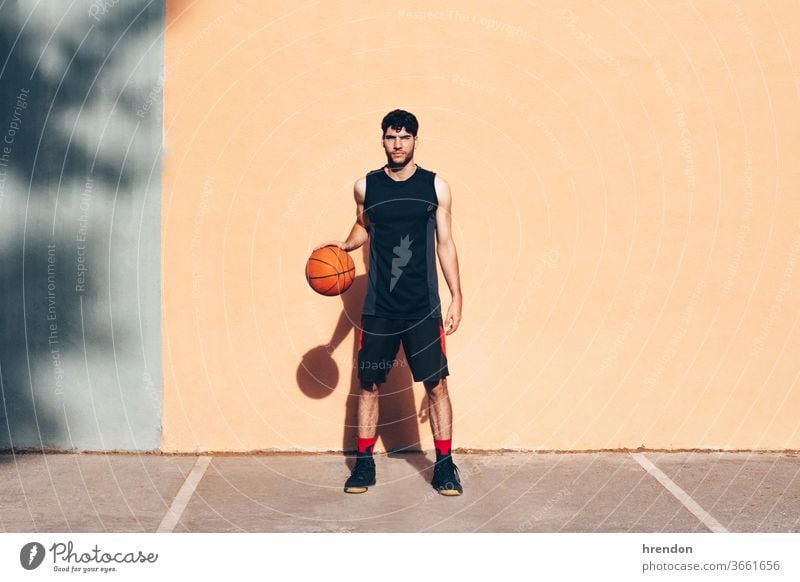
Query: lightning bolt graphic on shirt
[{"x": 402, "y": 256}]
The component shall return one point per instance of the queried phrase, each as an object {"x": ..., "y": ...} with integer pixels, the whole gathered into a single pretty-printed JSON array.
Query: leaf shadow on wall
[{"x": 68, "y": 69}]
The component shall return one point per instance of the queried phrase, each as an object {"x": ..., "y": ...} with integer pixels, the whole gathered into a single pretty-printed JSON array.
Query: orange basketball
[{"x": 330, "y": 271}]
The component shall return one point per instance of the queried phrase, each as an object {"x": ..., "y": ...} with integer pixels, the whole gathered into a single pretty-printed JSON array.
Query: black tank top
[{"x": 402, "y": 255}]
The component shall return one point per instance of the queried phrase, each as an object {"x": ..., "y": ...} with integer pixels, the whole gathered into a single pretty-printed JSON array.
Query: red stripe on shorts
[
  {"x": 441, "y": 339},
  {"x": 360, "y": 339}
]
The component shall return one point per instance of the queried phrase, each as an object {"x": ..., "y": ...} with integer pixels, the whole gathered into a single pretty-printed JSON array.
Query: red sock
[
  {"x": 442, "y": 447},
  {"x": 365, "y": 445}
]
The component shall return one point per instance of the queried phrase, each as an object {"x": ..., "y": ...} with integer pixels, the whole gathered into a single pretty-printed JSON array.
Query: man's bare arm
[
  {"x": 448, "y": 257},
  {"x": 358, "y": 234}
]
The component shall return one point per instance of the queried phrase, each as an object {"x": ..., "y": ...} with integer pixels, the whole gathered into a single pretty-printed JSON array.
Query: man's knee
[
  {"x": 436, "y": 387},
  {"x": 370, "y": 387}
]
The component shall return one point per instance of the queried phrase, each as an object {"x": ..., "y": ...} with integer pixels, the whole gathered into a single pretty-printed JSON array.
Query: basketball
[{"x": 330, "y": 271}]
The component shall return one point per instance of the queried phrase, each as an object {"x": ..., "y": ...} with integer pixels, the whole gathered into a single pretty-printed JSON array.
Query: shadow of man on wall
[{"x": 398, "y": 422}]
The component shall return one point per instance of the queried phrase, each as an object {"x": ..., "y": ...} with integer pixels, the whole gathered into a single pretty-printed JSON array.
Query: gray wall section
[{"x": 80, "y": 193}]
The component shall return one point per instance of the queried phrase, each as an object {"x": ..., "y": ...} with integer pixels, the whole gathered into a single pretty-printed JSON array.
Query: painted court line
[
  {"x": 184, "y": 495},
  {"x": 681, "y": 495}
]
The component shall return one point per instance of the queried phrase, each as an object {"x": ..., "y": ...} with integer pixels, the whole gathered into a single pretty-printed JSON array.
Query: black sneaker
[
  {"x": 362, "y": 477},
  {"x": 445, "y": 477}
]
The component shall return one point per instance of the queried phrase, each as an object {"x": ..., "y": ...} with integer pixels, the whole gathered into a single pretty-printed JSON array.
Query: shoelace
[
  {"x": 361, "y": 468},
  {"x": 457, "y": 473},
  {"x": 438, "y": 468}
]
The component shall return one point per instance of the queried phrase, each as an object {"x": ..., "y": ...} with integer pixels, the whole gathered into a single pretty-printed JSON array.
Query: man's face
[{"x": 399, "y": 146}]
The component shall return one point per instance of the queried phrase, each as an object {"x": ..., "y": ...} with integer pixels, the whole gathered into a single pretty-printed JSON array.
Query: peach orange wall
[{"x": 625, "y": 208}]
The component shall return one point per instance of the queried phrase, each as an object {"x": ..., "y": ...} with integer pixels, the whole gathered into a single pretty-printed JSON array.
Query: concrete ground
[{"x": 591, "y": 492}]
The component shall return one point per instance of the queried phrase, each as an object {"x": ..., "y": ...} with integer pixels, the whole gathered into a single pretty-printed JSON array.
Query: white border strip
[
  {"x": 184, "y": 495},
  {"x": 681, "y": 495}
]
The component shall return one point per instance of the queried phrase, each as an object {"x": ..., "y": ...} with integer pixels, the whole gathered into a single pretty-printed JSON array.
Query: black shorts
[{"x": 423, "y": 342}]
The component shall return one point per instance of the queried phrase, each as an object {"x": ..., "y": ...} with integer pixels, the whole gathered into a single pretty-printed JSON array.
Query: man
[{"x": 399, "y": 209}]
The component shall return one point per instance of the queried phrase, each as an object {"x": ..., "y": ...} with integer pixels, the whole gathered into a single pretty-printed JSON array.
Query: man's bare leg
[
  {"x": 445, "y": 477},
  {"x": 363, "y": 474},
  {"x": 368, "y": 411},
  {"x": 439, "y": 409}
]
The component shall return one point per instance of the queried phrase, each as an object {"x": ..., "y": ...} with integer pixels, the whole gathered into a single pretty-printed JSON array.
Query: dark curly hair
[{"x": 398, "y": 119}]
